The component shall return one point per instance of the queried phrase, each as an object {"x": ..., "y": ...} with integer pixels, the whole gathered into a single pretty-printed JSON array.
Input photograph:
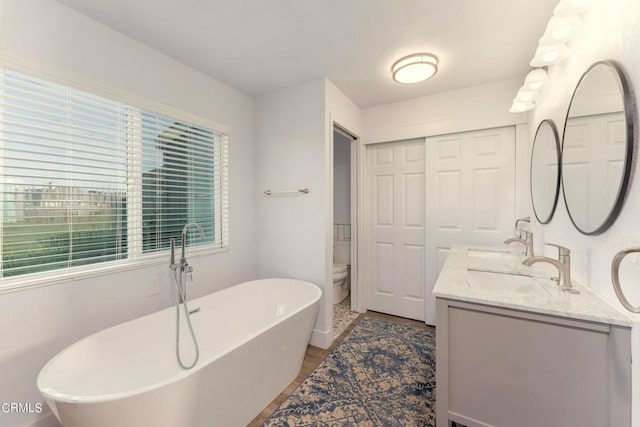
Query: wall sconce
[
  {"x": 547, "y": 55},
  {"x": 536, "y": 79},
  {"x": 561, "y": 29},
  {"x": 530, "y": 91},
  {"x": 519, "y": 107}
]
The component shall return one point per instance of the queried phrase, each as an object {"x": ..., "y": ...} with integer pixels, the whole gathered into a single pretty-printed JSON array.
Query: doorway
[{"x": 345, "y": 221}]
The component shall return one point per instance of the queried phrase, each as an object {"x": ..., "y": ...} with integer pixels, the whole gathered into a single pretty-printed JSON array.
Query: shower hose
[{"x": 182, "y": 298}]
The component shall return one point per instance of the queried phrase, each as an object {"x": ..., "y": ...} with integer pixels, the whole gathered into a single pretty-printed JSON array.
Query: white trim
[
  {"x": 372, "y": 141},
  {"x": 54, "y": 277},
  {"x": 358, "y": 295},
  {"x": 358, "y": 286},
  {"x": 322, "y": 339},
  {"x": 76, "y": 81},
  {"x": 47, "y": 419},
  {"x": 326, "y": 304}
]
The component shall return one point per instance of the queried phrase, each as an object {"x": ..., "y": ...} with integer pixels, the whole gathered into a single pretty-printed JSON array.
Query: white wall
[
  {"x": 37, "y": 323},
  {"x": 291, "y": 154},
  {"x": 611, "y": 30},
  {"x": 341, "y": 179},
  {"x": 472, "y": 108},
  {"x": 294, "y": 149}
]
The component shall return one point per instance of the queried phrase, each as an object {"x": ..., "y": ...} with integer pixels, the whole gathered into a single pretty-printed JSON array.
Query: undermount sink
[
  {"x": 504, "y": 282},
  {"x": 492, "y": 253}
]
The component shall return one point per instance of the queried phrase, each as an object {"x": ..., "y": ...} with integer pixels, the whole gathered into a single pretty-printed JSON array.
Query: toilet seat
[{"x": 339, "y": 268}]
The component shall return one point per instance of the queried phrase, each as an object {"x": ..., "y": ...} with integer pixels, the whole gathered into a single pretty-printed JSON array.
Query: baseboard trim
[
  {"x": 48, "y": 419},
  {"x": 322, "y": 339}
]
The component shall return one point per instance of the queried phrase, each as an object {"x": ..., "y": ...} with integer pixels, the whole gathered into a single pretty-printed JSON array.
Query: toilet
[{"x": 341, "y": 265}]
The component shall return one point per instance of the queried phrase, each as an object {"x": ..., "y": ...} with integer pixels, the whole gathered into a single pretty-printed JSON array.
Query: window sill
[{"x": 54, "y": 277}]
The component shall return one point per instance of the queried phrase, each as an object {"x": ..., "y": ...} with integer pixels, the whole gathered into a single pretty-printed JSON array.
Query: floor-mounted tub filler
[{"x": 252, "y": 338}]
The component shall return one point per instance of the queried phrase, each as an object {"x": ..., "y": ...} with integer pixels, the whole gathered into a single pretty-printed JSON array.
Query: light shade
[
  {"x": 571, "y": 7},
  {"x": 536, "y": 79},
  {"x": 414, "y": 68},
  {"x": 547, "y": 55},
  {"x": 519, "y": 107},
  {"x": 560, "y": 30},
  {"x": 525, "y": 95}
]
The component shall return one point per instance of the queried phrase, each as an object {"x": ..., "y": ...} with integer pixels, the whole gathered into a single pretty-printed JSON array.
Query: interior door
[
  {"x": 597, "y": 147},
  {"x": 394, "y": 223},
  {"x": 471, "y": 195}
]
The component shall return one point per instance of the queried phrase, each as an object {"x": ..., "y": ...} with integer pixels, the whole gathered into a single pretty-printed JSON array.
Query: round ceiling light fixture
[{"x": 414, "y": 68}]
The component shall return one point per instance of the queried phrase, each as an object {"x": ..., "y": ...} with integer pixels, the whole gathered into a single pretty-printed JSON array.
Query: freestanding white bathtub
[{"x": 252, "y": 338}]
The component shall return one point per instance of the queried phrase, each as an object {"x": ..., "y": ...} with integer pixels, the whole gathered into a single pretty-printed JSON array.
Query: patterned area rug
[{"x": 382, "y": 374}]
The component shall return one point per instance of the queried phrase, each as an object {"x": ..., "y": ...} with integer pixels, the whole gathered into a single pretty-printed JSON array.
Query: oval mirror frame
[
  {"x": 543, "y": 217},
  {"x": 627, "y": 104}
]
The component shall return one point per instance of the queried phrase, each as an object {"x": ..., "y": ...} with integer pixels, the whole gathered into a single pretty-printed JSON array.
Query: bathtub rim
[{"x": 75, "y": 399}]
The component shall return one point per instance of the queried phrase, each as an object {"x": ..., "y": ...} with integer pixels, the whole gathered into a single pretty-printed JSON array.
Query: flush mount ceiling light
[{"x": 414, "y": 68}]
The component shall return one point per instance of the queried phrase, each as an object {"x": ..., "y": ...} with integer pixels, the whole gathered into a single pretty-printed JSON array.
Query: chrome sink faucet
[
  {"x": 527, "y": 242},
  {"x": 562, "y": 264}
]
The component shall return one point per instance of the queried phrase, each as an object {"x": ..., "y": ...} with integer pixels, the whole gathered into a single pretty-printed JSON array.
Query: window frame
[{"x": 136, "y": 259}]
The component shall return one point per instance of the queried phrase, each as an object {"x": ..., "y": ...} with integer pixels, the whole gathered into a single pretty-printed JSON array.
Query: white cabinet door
[
  {"x": 394, "y": 222},
  {"x": 471, "y": 195}
]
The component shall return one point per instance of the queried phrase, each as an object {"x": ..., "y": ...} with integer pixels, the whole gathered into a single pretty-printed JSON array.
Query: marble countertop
[{"x": 452, "y": 284}]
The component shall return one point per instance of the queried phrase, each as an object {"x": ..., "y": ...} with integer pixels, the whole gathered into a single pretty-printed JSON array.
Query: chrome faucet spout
[{"x": 183, "y": 236}]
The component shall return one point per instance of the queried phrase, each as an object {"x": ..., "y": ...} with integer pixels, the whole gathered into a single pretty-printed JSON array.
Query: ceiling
[{"x": 258, "y": 46}]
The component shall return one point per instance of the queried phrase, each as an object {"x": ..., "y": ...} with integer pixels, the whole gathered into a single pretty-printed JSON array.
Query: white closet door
[
  {"x": 596, "y": 146},
  {"x": 394, "y": 223},
  {"x": 471, "y": 195}
]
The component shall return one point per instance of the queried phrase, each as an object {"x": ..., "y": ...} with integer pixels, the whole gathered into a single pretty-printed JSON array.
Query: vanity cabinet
[{"x": 505, "y": 367}]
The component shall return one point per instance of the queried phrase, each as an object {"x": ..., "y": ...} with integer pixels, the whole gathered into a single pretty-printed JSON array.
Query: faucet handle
[
  {"x": 523, "y": 219},
  {"x": 562, "y": 251}
]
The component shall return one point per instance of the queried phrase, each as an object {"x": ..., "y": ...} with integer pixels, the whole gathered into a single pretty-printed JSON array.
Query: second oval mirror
[
  {"x": 597, "y": 148},
  {"x": 545, "y": 171}
]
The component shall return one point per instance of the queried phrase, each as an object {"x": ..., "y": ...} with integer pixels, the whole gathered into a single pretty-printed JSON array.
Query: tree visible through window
[{"x": 88, "y": 180}]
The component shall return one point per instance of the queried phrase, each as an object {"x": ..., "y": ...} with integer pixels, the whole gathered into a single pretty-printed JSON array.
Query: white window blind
[
  {"x": 88, "y": 180},
  {"x": 181, "y": 165}
]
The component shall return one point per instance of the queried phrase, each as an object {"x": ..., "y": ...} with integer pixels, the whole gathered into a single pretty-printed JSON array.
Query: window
[
  {"x": 177, "y": 181},
  {"x": 88, "y": 180}
]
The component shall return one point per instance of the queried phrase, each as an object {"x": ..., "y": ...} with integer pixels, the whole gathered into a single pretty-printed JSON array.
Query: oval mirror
[
  {"x": 545, "y": 171},
  {"x": 597, "y": 148}
]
